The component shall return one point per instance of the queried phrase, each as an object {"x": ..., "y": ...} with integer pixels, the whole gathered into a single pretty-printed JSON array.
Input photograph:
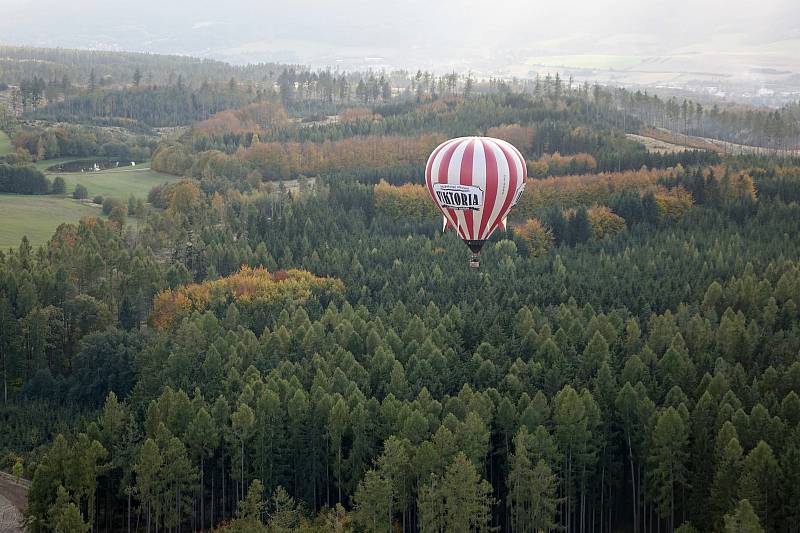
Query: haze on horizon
[{"x": 622, "y": 41}]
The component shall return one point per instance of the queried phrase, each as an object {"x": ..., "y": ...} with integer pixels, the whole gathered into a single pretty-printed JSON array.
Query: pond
[{"x": 88, "y": 165}]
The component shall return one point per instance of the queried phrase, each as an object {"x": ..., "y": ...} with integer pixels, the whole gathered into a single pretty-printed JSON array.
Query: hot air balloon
[{"x": 475, "y": 181}]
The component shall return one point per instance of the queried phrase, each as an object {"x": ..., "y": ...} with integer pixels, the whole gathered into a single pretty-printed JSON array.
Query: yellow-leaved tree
[{"x": 538, "y": 239}]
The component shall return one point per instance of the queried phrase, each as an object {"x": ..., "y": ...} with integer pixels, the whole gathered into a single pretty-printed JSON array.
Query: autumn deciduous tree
[
  {"x": 519, "y": 136},
  {"x": 185, "y": 198},
  {"x": 538, "y": 239},
  {"x": 409, "y": 201},
  {"x": 248, "y": 287},
  {"x": 604, "y": 222},
  {"x": 555, "y": 164}
]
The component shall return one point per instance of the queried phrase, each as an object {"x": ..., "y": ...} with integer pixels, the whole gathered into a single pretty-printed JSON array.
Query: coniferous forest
[{"x": 285, "y": 340}]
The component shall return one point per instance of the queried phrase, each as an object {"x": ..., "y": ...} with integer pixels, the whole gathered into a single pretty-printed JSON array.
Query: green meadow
[
  {"x": 118, "y": 183},
  {"x": 38, "y": 216},
  {"x": 5, "y": 144}
]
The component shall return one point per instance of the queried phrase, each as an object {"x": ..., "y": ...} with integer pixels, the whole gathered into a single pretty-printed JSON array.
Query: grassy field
[
  {"x": 115, "y": 182},
  {"x": 37, "y": 216},
  {"x": 5, "y": 144},
  {"x": 118, "y": 183}
]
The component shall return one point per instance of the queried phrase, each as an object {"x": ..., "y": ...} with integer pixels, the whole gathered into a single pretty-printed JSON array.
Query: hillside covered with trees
[{"x": 287, "y": 341}]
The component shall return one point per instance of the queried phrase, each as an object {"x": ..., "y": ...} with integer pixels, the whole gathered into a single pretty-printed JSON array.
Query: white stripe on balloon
[
  {"x": 502, "y": 187},
  {"x": 454, "y": 176},
  {"x": 478, "y": 180},
  {"x": 437, "y": 163}
]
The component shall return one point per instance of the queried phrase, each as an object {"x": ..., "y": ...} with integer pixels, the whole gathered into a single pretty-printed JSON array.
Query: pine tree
[
  {"x": 579, "y": 230},
  {"x": 70, "y": 520},
  {"x": 8, "y": 326},
  {"x": 284, "y": 514},
  {"x": 242, "y": 424},
  {"x": 148, "y": 479},
  {"x": 743, "y": 520},
  {"x": 726, "y": 477},
  {"x": 248, "y": 514},
  {"x": 594, "y": 355},
  {"x": 458, "y": 501},
  {"x": 790, "y": 482},
  {"x": 374, "y": 499},
  {"x": 178, "y": 478},
  {"x": 393, "y": 465},
  {"x": 202, "y": 438},
  {"x": 573, "y": 433},
  {"x": 337, "y": 426},
  {"x": 758, "y": 484},
  {"x": 669, "y": 458},
  {"x": 532, "y": 489}
]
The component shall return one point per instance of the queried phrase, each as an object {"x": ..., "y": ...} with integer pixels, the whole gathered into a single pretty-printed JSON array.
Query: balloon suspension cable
[{"x": 474, "y": 261}]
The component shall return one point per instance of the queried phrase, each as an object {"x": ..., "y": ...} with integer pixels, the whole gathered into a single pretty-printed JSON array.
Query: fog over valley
[{"x": 735, "y": 49}]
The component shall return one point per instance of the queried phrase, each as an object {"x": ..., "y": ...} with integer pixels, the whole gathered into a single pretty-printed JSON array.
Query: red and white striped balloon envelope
[{"x": 475, "y": 181}]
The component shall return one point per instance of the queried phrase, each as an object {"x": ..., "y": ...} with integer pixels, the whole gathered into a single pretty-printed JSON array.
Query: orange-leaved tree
[
  {"x": 538, "y": 238},
  {"x": 248, "y": 288}
]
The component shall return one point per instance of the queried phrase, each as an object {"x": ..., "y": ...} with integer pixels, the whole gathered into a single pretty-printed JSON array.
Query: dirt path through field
[
  {"x": 13, "y": 502},
  {"x": 665, "y": 141}
]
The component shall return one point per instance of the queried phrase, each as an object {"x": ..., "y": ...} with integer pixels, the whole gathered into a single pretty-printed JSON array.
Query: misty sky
[{"x": 405, "y": 33}]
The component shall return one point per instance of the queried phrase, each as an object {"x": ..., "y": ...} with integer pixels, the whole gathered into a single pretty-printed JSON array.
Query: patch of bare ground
[{"x": 665, "y": 141}]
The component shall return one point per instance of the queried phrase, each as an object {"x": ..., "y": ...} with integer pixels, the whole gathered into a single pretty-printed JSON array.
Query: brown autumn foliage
[
  {"x": 248, "y": 287},
  {"x": 251, "y": 118},
  {"x": 519, "y": 136},
  {"x": 556, "y": 164},
  {"x": 284, "y": 160},
  {"x": 672, "y": 203},
  {"x": 354, "y": 114},
  {"x": 184, "y": 197},
  {"x": 172, "y": 159},
  {"x": 604, "y": 222},
  {"x": 734, "y": 185},
  {"x": 74, "y": 246},
  {"x": 586, "y": 189},
  {"x": 695, "y": 143},
  {"x": 409, "y": 201},
  {"x": 538, "y": 238}
]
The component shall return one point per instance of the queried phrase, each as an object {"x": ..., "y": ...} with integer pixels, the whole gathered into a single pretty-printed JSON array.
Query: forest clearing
[
  {"x": 37, "y": 216},
  {"x": 119, "y": 183}
]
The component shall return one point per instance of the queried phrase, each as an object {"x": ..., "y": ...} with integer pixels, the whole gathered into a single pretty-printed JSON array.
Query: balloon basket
[{"x": 474, "y": 261}]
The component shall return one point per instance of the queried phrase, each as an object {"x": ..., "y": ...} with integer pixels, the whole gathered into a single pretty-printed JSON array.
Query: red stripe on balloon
[
  {"x": 490, "y": 195},
  {"x": 465, "y": 177},
  {"x": 444, "y": 173},
  {"x": 429, "y": 166},
  {"x": 512, "y": 186}
]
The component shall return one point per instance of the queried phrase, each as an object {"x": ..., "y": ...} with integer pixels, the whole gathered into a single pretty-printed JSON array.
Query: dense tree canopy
[{"x": 317, "y": 355}]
